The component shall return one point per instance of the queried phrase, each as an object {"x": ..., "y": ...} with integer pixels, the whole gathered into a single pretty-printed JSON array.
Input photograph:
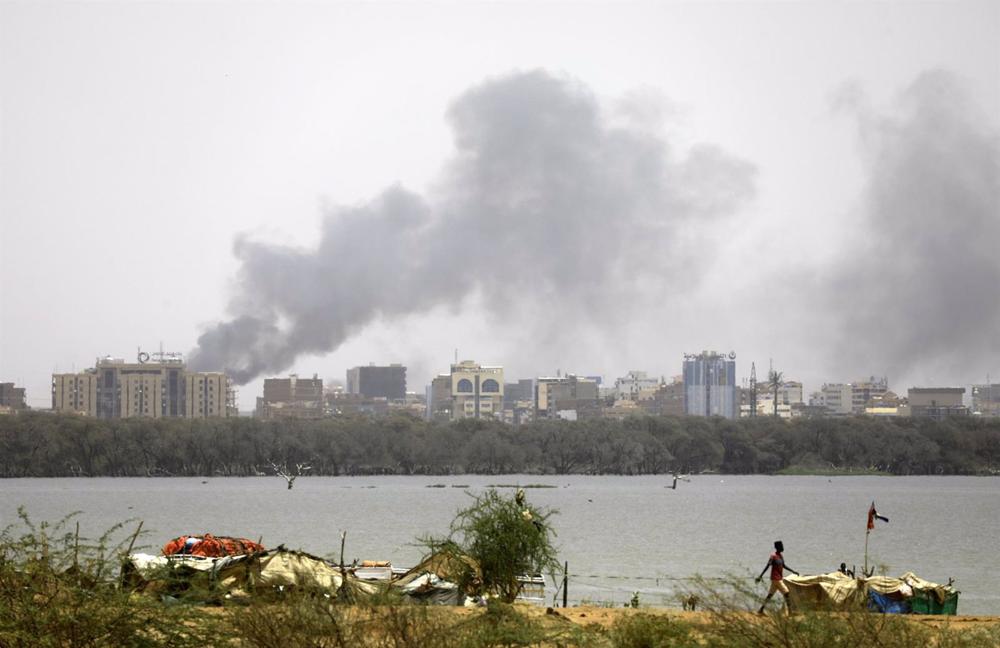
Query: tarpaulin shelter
[
  {"x": 908, "y": 593},
  {"x": 274, "y": 571}
]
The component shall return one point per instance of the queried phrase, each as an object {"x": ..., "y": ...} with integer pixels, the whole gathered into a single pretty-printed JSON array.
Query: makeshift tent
[
  {"x": 438, "y": 577},
  {"x": 274, "y": 571},
  {"x": 881, "y": 593},
  {"x": 820, "y": 591}
]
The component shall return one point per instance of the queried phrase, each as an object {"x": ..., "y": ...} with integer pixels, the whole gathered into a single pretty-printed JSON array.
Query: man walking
[{"x": 777, "y": 564}]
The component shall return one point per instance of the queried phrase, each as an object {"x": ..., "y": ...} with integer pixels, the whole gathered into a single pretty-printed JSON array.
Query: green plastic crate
[{"x": 927, "y": 603}]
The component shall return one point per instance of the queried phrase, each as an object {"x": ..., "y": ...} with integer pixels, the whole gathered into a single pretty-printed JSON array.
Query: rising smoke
[
  {"x": 545, "y": 203},
  {"x": 916, "y": 293}
]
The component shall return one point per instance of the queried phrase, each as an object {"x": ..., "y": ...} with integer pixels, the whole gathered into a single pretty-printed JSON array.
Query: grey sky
[{"x": 139, "y": 140}]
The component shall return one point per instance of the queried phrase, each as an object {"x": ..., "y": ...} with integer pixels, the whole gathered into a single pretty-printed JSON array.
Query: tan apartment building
[
  {"x": 569, "y": 396},
  {"x": 291, "y": 397},
  {"x": 75, "y": 393},
  {"x": 206, "y": 395},
  {"x": 936, "y": 403},
  {"x": 476, "y": 390},
  {"x": 164, "y": 388}
]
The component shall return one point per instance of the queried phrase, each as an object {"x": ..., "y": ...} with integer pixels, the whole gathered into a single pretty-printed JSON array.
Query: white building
[
  {"x": 635, "y": 386},
  {"x": 837, "y": 398}
]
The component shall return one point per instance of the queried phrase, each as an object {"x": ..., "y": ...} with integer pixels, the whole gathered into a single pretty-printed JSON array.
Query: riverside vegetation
[
  {"x": 57, "y": 589},
  {"x": 46, "y": 445}
]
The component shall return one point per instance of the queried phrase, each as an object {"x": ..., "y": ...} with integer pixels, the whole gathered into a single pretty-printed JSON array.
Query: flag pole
[{"x": 867, "y": 533}]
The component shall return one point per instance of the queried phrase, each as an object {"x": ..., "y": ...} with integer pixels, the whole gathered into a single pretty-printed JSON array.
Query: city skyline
[
  {"x": 390, "y": 380},
  {"x": 814, "y": 184}
]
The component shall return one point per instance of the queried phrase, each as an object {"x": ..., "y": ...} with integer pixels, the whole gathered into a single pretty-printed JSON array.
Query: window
[
  {"x": 491, "y": 386},
  {"x": 465, "y": 386}
]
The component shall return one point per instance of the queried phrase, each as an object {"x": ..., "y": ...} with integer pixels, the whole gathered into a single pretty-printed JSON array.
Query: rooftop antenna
[{"x": 456, "y": 355}]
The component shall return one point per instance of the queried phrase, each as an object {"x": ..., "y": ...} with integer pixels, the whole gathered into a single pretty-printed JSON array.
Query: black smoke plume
[
  {"x": 917, "y": 294},
  {"x": 546, "y": 207}
]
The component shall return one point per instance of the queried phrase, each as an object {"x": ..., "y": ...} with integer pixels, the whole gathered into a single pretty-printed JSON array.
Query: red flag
[{"x": 873, "y": 515}]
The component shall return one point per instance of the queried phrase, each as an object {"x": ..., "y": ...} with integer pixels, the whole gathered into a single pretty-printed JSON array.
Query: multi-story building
[
  {"x": 836, "y": 398},
  {"x": 519, "y": 401},
  {"x": 476, "y": 390},
  {"x": 75, "y": 393},
  {"x": 160, "y": 388},
  {"x": 440, "y": 404},
  {"x": 667, "y": 400},
  {"x": 12, "y": 398},
  {"x": 868, "y": 393},
  {"x": 568, "y": 397},
  {"x": 710, "y": 385},
  {"x": 373, "y": 381},
  {"x": 635, "y": 386},
  {"x": 986, "y": 399},
  {"x": 936, "y": 403},
  {"x": 790, "y": 393},
  {"x": 291, "y": 397}
]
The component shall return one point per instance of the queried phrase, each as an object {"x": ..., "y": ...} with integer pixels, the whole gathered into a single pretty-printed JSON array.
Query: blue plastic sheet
[{"x": 882, "y": 603}]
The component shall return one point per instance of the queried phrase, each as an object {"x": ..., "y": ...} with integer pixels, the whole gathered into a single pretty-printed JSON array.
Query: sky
[{"x": 551, "y": 186}]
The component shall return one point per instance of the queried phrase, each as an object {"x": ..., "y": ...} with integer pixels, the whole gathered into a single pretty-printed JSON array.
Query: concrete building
[
  {"x": 148, "y": 388},
  {"x": 373, "y": 381},
  {"x": 635, "y": 386},
  {"x": 291, "y": 397},
  {"x": 476, "y": 390},
  {"x": 836, "y": 398},
  {"x": 206, "y": 395},
  {"x": 566, "y": 397},
  {"x": 790, "y": 393},
  {"x": 868, "y": 393},
  {"x": 519, "y": 401},
  {"x": 12, "y": 398},
  {"x": 75, "y": 393},
  {"x": 986, "y": 400},
  {"x": 936, "y": 403},
  {"x": 440, "y": 404},
  {"x": 710, "y": 385},
  {"x": 667, "y": 400}
]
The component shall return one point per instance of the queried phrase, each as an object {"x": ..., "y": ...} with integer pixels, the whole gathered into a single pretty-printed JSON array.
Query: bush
[
  {"x": 651, "y": 631},
  {"x": 506, "y": 537},
  {"x": 57, "y": 589}
]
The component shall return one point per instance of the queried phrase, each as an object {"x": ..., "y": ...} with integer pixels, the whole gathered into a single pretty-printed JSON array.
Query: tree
[
  {"x": 506, "y": 537},
  {"x": 775, "y": 377}
]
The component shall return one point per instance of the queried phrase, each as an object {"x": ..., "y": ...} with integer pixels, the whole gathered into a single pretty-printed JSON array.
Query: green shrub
[
  {"x": 506, "y": 538},
  {"x": 57, "y": 589},
  {"x": 650, "y": 631}
]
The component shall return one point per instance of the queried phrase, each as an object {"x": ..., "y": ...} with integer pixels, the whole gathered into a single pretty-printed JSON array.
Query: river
[{"x": 619, "y": 534}]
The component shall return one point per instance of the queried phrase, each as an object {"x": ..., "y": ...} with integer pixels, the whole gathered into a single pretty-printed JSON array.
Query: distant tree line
[{"x": 46, "y": 445}]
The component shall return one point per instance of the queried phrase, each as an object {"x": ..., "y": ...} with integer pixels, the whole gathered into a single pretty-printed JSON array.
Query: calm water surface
[{"x": 619, "y": 534}]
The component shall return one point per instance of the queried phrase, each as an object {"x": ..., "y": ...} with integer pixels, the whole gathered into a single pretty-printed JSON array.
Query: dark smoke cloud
[
  {"x": 545, "y": 207},
  {"x": 917, "y": 293}
]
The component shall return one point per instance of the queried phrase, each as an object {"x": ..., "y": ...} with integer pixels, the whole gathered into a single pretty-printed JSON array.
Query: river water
[{"x": 619, "y": 534}]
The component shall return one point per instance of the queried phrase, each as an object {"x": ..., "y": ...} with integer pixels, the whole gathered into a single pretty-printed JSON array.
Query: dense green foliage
[
  {"x": 44, "y": 445},
  {"x": 506, "y": 537}
]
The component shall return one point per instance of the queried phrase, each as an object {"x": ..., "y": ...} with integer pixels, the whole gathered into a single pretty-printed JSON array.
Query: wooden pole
[
  {"x": 867, "y": 533},
  {"x": 566, "y": 584},
  {"x": 134, "y": 536}
]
